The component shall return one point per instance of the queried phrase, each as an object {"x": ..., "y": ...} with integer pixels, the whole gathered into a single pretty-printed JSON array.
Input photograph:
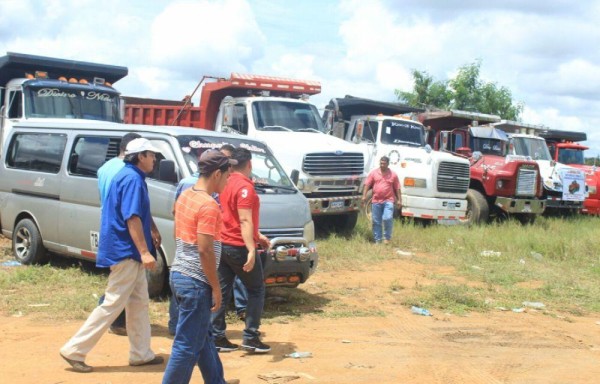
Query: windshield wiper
[
  {"x": 308, "y": 130},
  {"x": 272, "y": 186},
  {"x": 275, "y": 128}
]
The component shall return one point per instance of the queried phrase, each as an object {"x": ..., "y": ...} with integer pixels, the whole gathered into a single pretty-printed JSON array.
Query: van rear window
[{"x": 40, "y": 152}]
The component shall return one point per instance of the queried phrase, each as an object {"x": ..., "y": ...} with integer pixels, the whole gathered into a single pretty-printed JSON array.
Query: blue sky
[{"x": 543, "y": 51}]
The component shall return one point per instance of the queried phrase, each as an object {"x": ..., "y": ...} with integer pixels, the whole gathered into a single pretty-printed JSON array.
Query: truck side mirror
[
  {"x": 358, "y": 133},
  {"x": 295, "y": 175},
  {"x": 121, "y": 109},
  {"x": 166, "y": 171},
  {"x": 227, "y": 115}
]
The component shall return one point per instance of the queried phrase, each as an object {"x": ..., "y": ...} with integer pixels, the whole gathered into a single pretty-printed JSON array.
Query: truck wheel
[
  {"x": 157, "y": 278},
  {"x": 27, "y": 243},
  {"x": 478, "y": 210}
]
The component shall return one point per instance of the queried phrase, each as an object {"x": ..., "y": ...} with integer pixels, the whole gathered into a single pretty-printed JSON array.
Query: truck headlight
[
  {"x": 309, "y": 231},
  {"x": 415, "y": 183}
]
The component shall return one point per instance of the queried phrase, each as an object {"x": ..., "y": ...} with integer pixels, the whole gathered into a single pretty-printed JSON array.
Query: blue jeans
[
  {"x": 240, "y": 297},
  {"x": 232, "y": 260},
  {"x": 193, "y": 343},
  {"x": 382, "y": 213}
]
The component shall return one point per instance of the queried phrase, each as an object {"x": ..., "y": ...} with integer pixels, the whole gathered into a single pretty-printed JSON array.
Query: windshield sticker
[
  {"x": 388, "y": 130},
  {"x": 199, "y": 144},
  {"x": 404, "y": 124},
  {"x": 92, "y": 95},
  {"x": 54, "y": 92}
]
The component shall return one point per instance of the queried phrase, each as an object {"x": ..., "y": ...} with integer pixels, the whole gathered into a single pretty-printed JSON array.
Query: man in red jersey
[{"x": 240, "y": 237}]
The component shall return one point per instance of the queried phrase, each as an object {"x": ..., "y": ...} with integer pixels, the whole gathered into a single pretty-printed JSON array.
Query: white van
[{"x": 49, "y": 199}]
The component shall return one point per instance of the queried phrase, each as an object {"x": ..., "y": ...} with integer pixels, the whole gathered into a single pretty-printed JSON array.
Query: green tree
[{"x": 464, "y": 92}]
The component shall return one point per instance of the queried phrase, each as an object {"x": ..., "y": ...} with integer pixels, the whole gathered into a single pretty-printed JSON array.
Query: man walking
[
  {"x": 194, "y": 279},
  {"x": 386, "y": 188},
  {"x": 240, "y": 236},
  {"x": 105, "y": 175},
  {"x": 126, "y": 247}
]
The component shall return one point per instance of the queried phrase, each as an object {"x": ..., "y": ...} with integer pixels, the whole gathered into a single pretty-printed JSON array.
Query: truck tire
[
  {"x": 27, "y": 244},
  {"x": 478, "y": 210},
  {"x": 157, "y": 278}
]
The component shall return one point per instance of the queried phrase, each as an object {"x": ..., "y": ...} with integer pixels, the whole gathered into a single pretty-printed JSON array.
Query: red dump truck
[
  {"x": 326, "y": 169},
  {"x": 565, "y": 148},
  {"x": 500, "y": 184}
]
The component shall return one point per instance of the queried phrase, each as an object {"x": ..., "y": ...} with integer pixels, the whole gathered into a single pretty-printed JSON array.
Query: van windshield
[
  {"x": 267, "y": 174},
  {"x": 53, "y": 99}
]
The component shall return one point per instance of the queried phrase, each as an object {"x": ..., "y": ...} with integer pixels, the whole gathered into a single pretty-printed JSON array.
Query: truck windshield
[
  {"x": 71, "y": 101},
  {"x": 267, "y": 174},
  {"x": 489, "y": 146},
  {"x": 528, "y": 146},
  {"x": 570, "y": 156},
  {"x": 275, "y": 115},
  {"x": 403, "y": 133}
]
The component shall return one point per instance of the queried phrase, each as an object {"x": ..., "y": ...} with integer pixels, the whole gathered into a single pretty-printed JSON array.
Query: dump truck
[
  {"x": 501, "y": 184},
  {"x": 434, "y": 184},
  {"x": 326, "y": 169}
]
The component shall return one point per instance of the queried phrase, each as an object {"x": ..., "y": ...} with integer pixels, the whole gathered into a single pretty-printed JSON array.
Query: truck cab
[
  {"x": 433, "y": 184},
  {"x": 35, "y": 88},
  {"x": 565, "y": 148},
  {"x": 501, "y": 184}
]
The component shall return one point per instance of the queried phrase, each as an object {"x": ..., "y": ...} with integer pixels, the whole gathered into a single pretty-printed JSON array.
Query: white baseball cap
[{"x": 140, "y": 145}]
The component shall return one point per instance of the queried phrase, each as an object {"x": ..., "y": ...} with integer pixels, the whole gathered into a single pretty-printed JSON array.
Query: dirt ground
[{"x": 398, "y": 347}]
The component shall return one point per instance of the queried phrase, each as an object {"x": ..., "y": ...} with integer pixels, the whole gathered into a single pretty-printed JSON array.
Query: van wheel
[
  {"x": 157, "y": 278},
  {"x": 478, "y": 210},
  {"x": 27, "y": 243}
]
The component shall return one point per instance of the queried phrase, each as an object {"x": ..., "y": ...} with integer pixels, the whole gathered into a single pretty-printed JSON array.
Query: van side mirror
[
  {"x": 295, "y": 175},
  {"x": 166, "y": 171}
]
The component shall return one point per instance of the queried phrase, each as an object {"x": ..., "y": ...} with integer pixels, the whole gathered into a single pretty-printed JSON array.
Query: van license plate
[
  {"x": 94, "y": 237},
  {"x": 337, "y": 204}
]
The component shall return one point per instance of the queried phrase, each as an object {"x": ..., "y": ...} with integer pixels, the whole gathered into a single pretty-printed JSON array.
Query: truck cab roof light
[
  {"x": 62, "y": 78},
  {"x": 83, "y": 81},
  {"x": 29, "y": 76},
  {"x": 72, "y": 80},
  {"x": 41, "y": 74}
]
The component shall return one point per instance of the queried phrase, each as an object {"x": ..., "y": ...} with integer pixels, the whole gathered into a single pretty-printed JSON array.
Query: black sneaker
[
  {"x": 255, "y": 345},
  {"x": 224, "y": 345}
]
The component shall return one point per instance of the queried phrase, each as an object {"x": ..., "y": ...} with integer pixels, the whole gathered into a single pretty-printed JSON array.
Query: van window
[
  {"x": 90, "y": 152},
  {"x": 36, "y": 151},
  {"x": 165, "y": 153}
]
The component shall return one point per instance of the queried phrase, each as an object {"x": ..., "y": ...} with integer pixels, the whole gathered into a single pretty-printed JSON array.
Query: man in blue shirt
[
  {"x": 128, "y": 240},
  {"x": 105, "y": 175}
]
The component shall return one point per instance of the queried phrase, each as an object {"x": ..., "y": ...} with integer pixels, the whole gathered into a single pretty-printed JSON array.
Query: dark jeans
[
  {"x": 193, "y": 344},
  {"x": 119, "y": 321},
  {"x": 232, "y": 261}
]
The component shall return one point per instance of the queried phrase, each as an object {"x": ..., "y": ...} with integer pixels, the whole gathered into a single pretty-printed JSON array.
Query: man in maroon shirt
[
  {"x": 386, "y": 189},
  {"x": 240, "y": 238}
]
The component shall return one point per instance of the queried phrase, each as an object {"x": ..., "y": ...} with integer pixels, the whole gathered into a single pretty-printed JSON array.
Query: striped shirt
[{"x": 196, "y": 212}]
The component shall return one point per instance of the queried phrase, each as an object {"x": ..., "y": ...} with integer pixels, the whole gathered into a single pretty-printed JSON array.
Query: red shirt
[
  {"x": 238, "y": 193},
  {"x": 384, "y": 185}
]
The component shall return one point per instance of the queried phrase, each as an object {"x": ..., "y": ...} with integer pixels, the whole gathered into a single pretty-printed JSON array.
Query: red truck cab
[{"x": 500, "y": 185}]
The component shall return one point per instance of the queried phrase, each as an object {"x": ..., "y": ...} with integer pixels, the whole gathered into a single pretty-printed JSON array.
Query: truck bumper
[
  {"x": 433, "y": 208},
  {"x": 334, "y": 205},
  {"x": 513, "y": 205},
  {"x": 558, "y": 203},
  {"x": 289, "y": 262}
]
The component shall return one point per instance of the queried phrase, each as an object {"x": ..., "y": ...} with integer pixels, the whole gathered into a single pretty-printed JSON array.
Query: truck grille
[
  {"x": 330, "y": 164},
  {"x": 282, "y": 232},
  {"x": 453, "y": 177},
  {"x": 526, "y": 180}
]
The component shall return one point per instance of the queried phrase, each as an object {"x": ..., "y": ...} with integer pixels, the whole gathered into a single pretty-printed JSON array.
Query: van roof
[{"x": 71, "y": 124}]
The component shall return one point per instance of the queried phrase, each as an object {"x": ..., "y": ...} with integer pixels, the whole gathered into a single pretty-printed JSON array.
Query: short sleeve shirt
[
  {"x": 196, "y": 212},
  {"x": 105, "y": 175},
  {"x": 384, "y": 185},
  {"x": 238, "y": 193},
  {"x": 127, "y": 197}
]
